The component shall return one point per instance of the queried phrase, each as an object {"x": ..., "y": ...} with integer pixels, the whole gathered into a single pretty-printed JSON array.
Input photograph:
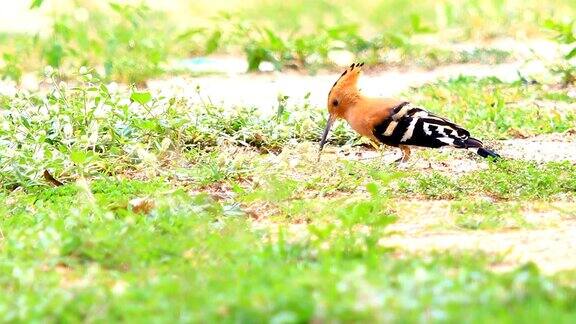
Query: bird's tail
[{"x": 477, "y": 147}]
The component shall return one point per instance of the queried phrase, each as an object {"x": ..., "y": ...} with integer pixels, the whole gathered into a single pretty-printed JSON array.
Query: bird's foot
[
  {"x": 390, "y": 160},
  {"x": 403, "y": 165}
]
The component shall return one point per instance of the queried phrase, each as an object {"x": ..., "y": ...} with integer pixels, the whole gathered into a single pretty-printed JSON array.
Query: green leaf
[
  {"x": 213, "y": 42},
  {"x": 185, "y": 36},
  {"x": 274, "y": 40},
  {"x": 25, "y": 122},
  {"x": 571, "y": 54},
  {"x": 141, "y": 97},
  {"x": 117, "y": 7},
  {"x": 372, "y": 188},
  {"x": 78, "y": 157},
  {"x": 36, "y": 4},
  {"x": 70, "y": 245},
  {"x": 54, "y": 55}
]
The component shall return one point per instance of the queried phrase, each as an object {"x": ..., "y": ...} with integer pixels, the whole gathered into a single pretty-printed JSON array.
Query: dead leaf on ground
[
  {"x": 141, "y": 205},
  {"x": 51, "y": 179}
]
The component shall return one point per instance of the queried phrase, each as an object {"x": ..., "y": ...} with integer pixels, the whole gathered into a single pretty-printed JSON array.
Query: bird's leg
[{"x": 405, "y": 154}]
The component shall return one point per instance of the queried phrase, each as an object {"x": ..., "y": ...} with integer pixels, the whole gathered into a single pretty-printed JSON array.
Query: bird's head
[{"x": 343, "y": 96}]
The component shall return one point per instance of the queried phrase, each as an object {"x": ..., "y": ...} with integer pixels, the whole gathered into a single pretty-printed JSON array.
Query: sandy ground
[
  {"x": 548, "y": 242},
  {"x": 235, "y": 88},
  {"x": 542, "y": 148},
  {"x": 427, "y": 226},
  {"x": 262, "y": 90}
]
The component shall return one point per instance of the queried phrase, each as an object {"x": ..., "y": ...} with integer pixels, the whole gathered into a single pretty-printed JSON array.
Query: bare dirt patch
[
  {"x": 542, "y": 148},
  {"x": 262, "y": 90},
  {"x": 428, "y": 226},
  {"x": 549, "y": 243}
]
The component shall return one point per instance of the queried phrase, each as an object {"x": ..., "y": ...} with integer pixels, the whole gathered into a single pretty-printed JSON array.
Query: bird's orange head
[
  {"x": 344, "y": 93},
  {"x": 343, "y": 96}
]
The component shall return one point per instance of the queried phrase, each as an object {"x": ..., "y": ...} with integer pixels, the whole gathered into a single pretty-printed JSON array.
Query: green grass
[
  {"x": 67, "y": 257},
  {"x": 494, "y": 109},
  {"x": 487, "y": 215},
  {"x": 129, "y": 43},
  {"x": 506, "y": 180},
  {"x": 126, "y": 43},
  {"x": 565, "y": 33},
  {"x": 86, "y": 129},
  {"x": 302, "y": 34},
  {"x": 173, "y": 211},
  {"x": 133, "y": 43},
  {"x": 468, "y": 20}
]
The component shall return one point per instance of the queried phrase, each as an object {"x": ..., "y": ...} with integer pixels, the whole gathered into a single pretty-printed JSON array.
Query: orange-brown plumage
[
  {"x": 368, "y": 112},
  {"x": 391, "y": 121}
]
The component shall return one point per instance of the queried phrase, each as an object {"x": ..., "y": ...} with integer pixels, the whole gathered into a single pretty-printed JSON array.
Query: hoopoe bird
[{"x": 393, "y": 122}]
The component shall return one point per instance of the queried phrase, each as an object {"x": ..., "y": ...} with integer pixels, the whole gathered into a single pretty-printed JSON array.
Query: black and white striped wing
[{"x": 415, "y": 126}]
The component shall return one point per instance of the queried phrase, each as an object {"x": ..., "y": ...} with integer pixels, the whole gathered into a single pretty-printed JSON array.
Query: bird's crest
[{"x": 349, "y": 78}]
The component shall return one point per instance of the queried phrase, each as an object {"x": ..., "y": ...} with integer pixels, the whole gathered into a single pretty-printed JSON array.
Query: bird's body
[{"x": 394, "y": 122}]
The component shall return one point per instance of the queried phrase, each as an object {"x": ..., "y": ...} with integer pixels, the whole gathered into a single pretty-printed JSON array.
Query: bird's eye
[{"x": 335, "y": 102}]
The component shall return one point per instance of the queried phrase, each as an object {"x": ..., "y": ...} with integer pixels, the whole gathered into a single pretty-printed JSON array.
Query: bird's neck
[
  {"x": 368, "y": 112},
  {"x": 359, "y": 114},
  {"x": 356, "y": 103}
]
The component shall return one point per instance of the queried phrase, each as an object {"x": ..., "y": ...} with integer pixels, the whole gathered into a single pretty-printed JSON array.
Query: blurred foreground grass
[{"x": 85, "y": 253}]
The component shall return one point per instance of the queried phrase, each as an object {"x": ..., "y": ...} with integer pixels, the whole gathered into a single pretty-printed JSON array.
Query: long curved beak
[{"x": 331, "y": 120}]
